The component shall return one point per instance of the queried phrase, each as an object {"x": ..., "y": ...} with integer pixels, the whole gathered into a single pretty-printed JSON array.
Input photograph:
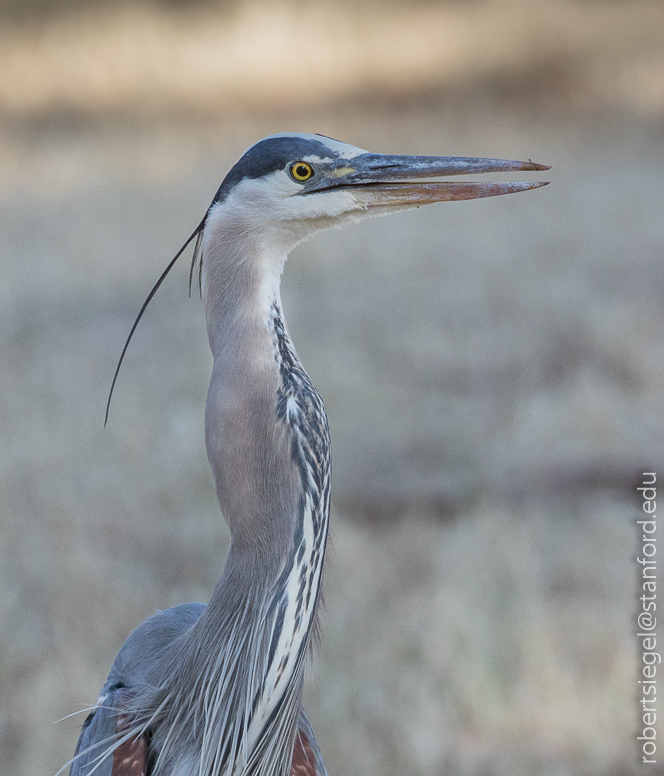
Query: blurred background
[{"x": 492, "y": 370}]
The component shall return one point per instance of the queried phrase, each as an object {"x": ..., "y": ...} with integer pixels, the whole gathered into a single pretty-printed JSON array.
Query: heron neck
[
  {"x": 268, "y": 446},
  {"x": 250, "y": 438}
]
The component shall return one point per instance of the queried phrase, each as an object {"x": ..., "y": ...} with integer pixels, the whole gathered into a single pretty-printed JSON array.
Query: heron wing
[{"x": 307, "y": 759}]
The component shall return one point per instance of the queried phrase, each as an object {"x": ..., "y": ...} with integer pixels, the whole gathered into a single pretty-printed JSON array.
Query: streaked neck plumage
[
  {"x": 248, "y": 447},
  {"x": 268, "y": 446}
]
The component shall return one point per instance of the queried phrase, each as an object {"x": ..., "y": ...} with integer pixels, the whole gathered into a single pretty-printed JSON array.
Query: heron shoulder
[{"x": 150, "y": 641}]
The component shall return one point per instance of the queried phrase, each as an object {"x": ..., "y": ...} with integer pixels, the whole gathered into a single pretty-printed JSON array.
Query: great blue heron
[{"x": 216, "y": 690}]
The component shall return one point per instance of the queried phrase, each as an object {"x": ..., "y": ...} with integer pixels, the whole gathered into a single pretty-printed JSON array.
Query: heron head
[{"x": 290, "y": 185}]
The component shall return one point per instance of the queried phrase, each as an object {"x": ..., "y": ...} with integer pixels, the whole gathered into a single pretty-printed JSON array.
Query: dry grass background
[
  {"x": 267, "y": 55},
  {"x": 492, "y": 370}
]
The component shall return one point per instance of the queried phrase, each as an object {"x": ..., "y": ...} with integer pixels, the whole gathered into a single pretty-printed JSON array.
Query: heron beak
[{"x": 389, "y": 181}]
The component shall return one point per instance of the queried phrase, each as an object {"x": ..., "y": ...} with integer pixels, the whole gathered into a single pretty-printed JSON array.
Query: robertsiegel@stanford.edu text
[{"x": 646, "y": 621}]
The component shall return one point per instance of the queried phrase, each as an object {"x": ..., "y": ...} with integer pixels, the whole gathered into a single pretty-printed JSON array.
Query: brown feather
[
  {"x": 131, "y": 757},
  {"x": 304, "y": 760}
]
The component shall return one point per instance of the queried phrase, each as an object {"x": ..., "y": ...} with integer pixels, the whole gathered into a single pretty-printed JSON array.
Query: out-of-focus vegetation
[
  {"x": 492, "y": 369},
  {"x": 32, "y": 11},
  {"x": 151, "y": 59},
  {"x": 37, "y": 10}
]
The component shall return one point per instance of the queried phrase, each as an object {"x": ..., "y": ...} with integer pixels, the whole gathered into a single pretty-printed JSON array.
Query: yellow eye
[{"x": 301, "y": 171}]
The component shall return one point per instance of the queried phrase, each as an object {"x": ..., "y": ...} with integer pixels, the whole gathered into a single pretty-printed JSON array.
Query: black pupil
[{"x": 301, "y": 171}]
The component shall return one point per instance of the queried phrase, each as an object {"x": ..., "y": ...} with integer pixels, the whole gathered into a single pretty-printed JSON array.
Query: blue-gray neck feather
[{"x": 226, "y": 699}]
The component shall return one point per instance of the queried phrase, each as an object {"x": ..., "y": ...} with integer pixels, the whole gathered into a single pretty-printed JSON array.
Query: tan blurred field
[
  {"x": 492, "y": 370},
  {"x": 143, "y": 58}
]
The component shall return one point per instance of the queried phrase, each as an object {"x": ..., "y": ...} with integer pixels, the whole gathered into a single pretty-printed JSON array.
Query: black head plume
[{"x": 197, "y": 233}]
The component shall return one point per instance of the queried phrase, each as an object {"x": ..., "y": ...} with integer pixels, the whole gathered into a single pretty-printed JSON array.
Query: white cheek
[
  {"x": 275, "y": 200},
  {"x": 286, "y": 217},
  {"x": 275, "y": 216},
  {"x": 328, "y": 204}
]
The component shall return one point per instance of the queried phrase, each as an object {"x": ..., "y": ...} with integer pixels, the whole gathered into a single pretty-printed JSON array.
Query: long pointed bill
[
  {"x": 395, "y": 194},
  {"x": 388, "y": 181}
]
